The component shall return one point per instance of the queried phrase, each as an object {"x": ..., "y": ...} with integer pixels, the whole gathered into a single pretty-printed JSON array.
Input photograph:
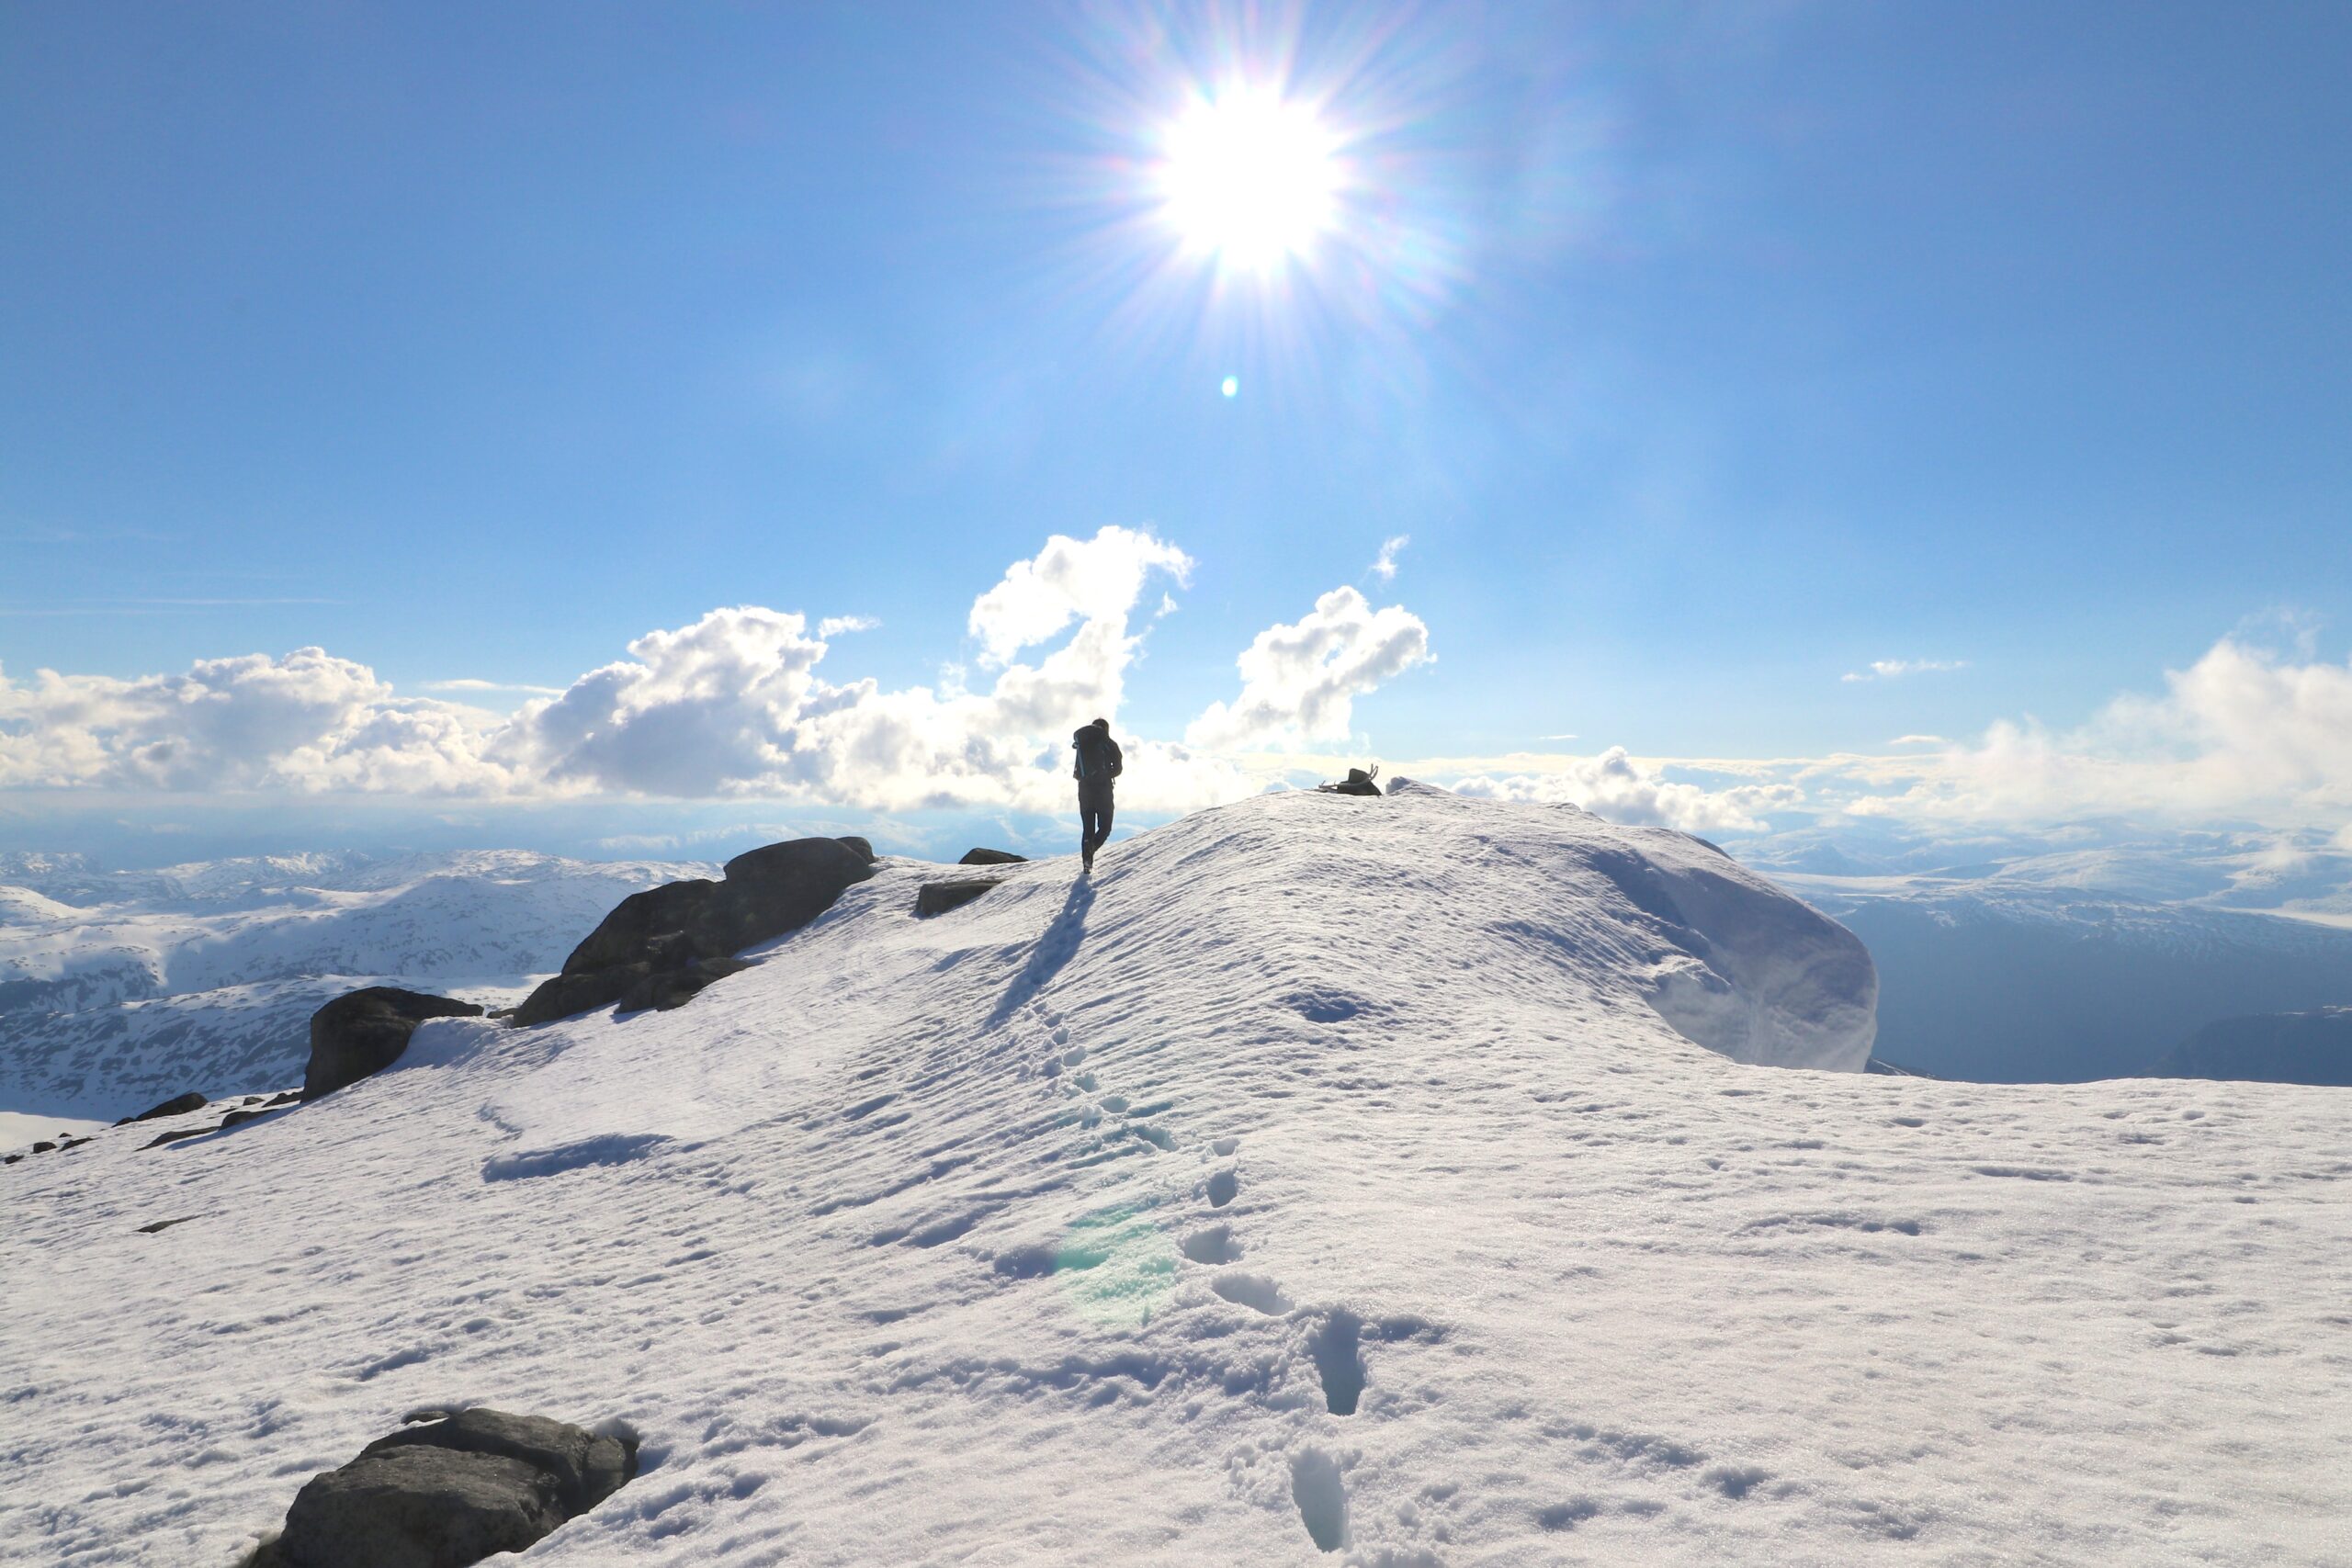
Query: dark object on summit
[
  {"x": 1099, "y": 763},
  {"x": 687, "y": 931},
  {"x": 178, "y": 1105},
  {"x": 938, "y": 898},
  {"x": 865, "y": 847},
  {"x": 992, "y": 857},
  {"x": 365, "y": 1031},
  {"x": 450, "y": 1492},
  {"x": 1358, "y": 782}
]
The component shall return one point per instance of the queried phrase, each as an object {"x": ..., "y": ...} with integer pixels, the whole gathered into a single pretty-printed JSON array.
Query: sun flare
[{"x": 1250, "y": 179}]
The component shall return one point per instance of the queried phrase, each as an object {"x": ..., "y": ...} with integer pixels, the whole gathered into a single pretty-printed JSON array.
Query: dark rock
[
  {"x": 992, "y": 857},
  {"x": 862, "y": 846},
  {"x": 938, "y": 898},
  {"x": 679, "y": 931},
  {"x": 450, "y": 1493},
  {"x": 567, "y": 994},
  {"x": 1358, "y": 782},
  {"x": 43, "y": 1146},
  {"x": 667, "y": 988},
  {"x": 178, "y": 1105},
  {"x": 160, "y": 1139},
  {"x": 239, "y": 1118},
  {"x": 366, "y": 1032},
  {"x": 11, "y": 1159},
  {"x": 291, "y": 1096},
  {"x": 767, "y": 892},
  {"x": 150, "y": 1229}
]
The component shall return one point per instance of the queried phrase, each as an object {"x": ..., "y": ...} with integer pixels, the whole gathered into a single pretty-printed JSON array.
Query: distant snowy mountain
[
  {"x": 2024, "y": 960},
  {"x": 1326, "y": 1180},
  {"x": 120, "y": 989}
]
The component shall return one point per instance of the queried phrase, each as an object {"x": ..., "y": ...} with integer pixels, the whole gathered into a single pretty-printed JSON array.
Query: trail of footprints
[{"x": 1115, "y": 1124}]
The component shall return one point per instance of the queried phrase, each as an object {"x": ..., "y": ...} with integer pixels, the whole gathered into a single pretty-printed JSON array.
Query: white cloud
[
  {"x": 735, "y": 704},
  {"x": 1918, "y": 740},
  {"x": 1614, "y": 786},
  {"x": 836, "y": 626},
  {"x": 1095, "y": 581},
  {"x": 468, "y": 684},
  {"x": 1298, "y": 681},
  {"x": 2243, "y": 732},
  {"x": 306, "y": 721},
  {"x": 1384, "y": 566},
  {"x": 1890, "y": 669}
]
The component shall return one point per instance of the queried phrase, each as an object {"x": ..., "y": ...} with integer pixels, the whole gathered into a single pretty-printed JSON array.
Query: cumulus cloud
[
  {"x": 470, "y": 684},
  {"x": 1298, "y": 681},
  {"x": 307, "y": 720},
  {"x": 1384, "y": 566},
  {"x": 1614, "y": 786},
  {"x": 737, "y": 704},
  {"x": 1891, "y": 669},
  {"x": 837, "y": 625},
  {"x": 2245, "y": 731},
  {"x": 1070, "y": 580}
]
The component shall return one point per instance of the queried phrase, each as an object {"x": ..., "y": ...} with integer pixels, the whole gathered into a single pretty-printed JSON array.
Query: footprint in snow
[
  {"x": 1215, "y": 1244},
  {"x": 1321, "y": 1498},
  {"x": 1253, "y": 1290}
]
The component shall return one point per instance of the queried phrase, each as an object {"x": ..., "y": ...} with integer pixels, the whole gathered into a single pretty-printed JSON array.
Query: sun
[{"x": 1250, "y": 179}]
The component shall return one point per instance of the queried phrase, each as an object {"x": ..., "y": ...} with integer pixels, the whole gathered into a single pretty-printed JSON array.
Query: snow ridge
[{"x": 1323, "y": 1181}]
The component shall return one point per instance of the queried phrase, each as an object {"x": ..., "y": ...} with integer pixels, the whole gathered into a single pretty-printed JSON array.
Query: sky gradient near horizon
[{"x": 1746, "y": 381}]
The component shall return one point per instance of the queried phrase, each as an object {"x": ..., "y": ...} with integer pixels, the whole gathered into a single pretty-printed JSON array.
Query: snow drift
[{"x": 1326, "y": 1180}]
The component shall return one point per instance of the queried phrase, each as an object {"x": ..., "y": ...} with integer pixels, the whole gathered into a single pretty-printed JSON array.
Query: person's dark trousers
[{"x": 1095, "y": 817}]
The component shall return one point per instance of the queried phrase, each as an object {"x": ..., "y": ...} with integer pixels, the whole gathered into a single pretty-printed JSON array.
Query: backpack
[{"x": 1098, "y": 756}]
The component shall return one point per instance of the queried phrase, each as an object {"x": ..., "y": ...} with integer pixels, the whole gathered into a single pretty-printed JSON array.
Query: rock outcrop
[
  {"x": 450, "y": 1492},
  {"x": 938, "y": 898},
  {"x": 178, "y": 1105},
  {"x": 659, "y": 947},
  {"x": 364, "y": 1032},
  {"x": 992, "y": 857},
  {"x": 1358, "y": 782}
]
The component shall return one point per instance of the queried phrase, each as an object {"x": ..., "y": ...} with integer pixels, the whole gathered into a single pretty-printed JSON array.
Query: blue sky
[{"x": 1706, "y": 355}]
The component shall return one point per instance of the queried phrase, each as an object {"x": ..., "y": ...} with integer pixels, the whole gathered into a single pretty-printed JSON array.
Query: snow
[
  {"x": 1323, "y": 1181},
  {"x": 121, "y": 989}
]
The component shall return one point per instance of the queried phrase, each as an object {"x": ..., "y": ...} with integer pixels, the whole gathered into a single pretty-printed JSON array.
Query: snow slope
[
  {"x": 1322, "y": 1183},
  {"x": 119, "y": 989}
]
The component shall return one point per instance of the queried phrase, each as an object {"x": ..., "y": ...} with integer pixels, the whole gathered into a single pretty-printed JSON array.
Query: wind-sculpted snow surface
[{"x": 1319, "y": 1183}]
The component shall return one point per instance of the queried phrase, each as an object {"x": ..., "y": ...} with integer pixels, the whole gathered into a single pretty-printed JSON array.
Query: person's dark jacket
[{"x": 1099, "y": 761}]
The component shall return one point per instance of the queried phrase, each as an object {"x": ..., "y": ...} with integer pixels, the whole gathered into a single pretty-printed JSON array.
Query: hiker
[{"x": 1098, "y": 763}]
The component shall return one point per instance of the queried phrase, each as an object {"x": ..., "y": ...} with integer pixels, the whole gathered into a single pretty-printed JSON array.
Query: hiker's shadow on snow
[{"x": 1057, "y": 945}]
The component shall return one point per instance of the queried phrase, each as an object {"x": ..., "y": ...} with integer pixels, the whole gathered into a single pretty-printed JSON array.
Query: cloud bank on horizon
[{"x": 736, "y": 706}]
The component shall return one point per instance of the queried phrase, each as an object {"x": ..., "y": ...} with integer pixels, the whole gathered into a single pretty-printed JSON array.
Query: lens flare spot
[{"x": 1231, "y": 387}]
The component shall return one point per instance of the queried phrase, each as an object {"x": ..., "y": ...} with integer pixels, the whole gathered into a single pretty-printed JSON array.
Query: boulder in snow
[
  {"x": 938, "y": 898},
  {"x": 178, "y": 1105},
  {"x": 450, "y": 1492},
  {"x": 364, "y": 1032},
  {"x": 991, "y": 857},
  {"x": 680, "y": 930},
  {"x": 864, "y": 846}
]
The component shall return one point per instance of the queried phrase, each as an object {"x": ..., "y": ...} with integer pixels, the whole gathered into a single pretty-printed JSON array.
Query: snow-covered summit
[{"x": 1325, "y": 1180}]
